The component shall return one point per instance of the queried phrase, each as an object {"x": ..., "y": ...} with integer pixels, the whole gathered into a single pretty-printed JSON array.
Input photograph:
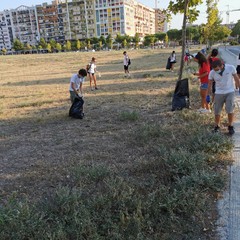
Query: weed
[{"x": 129, "y": 116}]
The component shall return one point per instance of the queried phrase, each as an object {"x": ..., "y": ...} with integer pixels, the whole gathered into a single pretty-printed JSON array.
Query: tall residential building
[
  {"x": 144, "y": 20},
  {"x": 49, "y": 22},
  {"x": 78, "y": 19},
  {"x": 115, "y": 17},
  {"x": 24, "y": 24},
  {"x": 5, "y": 37},
  {"x": 160, "y": 21}
]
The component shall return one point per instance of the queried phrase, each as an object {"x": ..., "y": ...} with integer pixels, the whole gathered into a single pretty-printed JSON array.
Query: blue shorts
[{"x": 204, "y": 86}]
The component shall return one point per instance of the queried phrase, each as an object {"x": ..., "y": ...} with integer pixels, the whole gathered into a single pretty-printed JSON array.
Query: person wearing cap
[
  {"x": 202, "y": 74},
  {"x": 226, "y": 78}
]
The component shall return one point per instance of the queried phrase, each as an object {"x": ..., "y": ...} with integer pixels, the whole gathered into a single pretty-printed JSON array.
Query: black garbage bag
[
  {"x": 76, "y": 110},
  {"x": 168, "y": 66},
  {"x": 181, "y": 95}
]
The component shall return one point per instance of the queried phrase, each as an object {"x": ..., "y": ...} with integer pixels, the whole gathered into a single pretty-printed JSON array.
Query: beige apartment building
[
  {"x": 160, "y": 21},
  {"x": 114, "y": 17},
  {"x": 144, "y": 20}
]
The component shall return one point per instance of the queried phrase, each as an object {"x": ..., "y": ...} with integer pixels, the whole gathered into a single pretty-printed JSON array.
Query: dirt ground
[{"x": 40, "y": 144}]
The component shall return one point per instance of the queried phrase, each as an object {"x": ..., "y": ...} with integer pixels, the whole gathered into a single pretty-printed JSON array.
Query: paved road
[{"x": 229, "y": 206}]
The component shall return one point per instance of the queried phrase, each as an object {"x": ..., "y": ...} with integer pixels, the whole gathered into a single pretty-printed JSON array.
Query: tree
[
  {"x": 160, "y": 36},
  {"x": 174, "y": 34},
  {"x": 53, "y": 43},
  {"x": 27, "y": 46},
  {"x": 124, "y": 43},
  {"x": 213, "y": 22},
  {"x": 149, "y": 40},
  {"x": 78, "y": 45},
  {"x": 17, "y": 45},
  {"x": 136, "y": 40},
  {"x": 59, "y": 47},
  {"x": 109, "y": 41},
  {"x": 4, "y": 51},
  {"x": 236, "y": 30},
  {"x": 222, "y": 32},
  {"x": 43, "y": 43},
  {"x": 88, "y": 43},
  {"x": 68, "y": 46},
  {"x": 100, "y": 44},
  {"x": 190, "y": 14},
  {"x": 49, "y": 48}
]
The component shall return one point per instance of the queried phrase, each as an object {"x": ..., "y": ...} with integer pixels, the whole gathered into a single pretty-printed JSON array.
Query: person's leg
[
  {"x": 219, "y": 101},
  {"x": 203, "y": 94},
  {"x": 95, "y": 80},
  {"x": 230, "y": 108},
  {"x": 72, "y": 96},
  {"x": 91, "y": 80}
]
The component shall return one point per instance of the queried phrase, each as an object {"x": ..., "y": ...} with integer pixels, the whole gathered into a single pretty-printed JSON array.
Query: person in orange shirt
[{"x": 204, "y": 69}]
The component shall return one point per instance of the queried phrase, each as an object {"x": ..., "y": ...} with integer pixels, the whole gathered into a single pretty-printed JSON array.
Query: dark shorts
[
  {"x": 91, "y": 74},
  {"x": 125, "y": 67}
]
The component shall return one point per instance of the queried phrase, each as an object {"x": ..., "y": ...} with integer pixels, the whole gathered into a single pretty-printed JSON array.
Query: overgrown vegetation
[{"x": 164, "y": 195}]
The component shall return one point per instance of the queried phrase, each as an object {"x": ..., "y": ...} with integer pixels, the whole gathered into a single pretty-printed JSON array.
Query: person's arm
[
  {"x": 81, "y": 88},
  {"x": 237, "y": 80}
]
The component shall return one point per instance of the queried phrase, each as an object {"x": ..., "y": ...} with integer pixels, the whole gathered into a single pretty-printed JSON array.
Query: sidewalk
[{"x": 229, "y": 206}]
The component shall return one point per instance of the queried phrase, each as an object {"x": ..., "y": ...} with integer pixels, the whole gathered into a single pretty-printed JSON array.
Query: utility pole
[{"x": 227, "y": 14}]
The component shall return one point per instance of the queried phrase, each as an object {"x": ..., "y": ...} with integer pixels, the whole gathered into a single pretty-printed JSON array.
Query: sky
[{"x": 223, "y": 5}]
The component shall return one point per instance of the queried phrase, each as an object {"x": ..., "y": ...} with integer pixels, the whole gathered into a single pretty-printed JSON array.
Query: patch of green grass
[
  {"x": 32, "y": 104},
  {"x": 129, "y": 116}
]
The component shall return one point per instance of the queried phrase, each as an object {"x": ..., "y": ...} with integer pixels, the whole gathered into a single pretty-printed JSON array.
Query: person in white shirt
[
  {"x": 172, "y": 60},
  {"x": 224, "y": 76},
  {"x": 76, "y": 83},
  {"x": 126, "y": 64},
  {"x": 91, "y": 68}
]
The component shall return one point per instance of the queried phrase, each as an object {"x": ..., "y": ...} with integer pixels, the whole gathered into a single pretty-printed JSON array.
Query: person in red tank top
[{"x": 204, "y": 69}]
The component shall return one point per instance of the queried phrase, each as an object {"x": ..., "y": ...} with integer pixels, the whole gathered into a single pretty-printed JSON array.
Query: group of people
[
  {"x": 218, "y": 80},
  {"x": 76, "y": 81}
]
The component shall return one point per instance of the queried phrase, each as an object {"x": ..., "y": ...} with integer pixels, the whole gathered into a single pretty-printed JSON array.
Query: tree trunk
[{"x": 183, "y": 38}]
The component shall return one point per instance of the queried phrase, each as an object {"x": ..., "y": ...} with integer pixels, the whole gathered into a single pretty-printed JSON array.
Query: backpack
[
  {"x": 76, "y": 110},
  {"x": 88, "y": 67},
  {"x": 129, "y": 61}
]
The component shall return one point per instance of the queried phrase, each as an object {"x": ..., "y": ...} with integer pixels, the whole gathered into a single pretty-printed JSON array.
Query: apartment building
[
  {"x": 144, "y": 20},
  {"x": 49, "y": 22},
  {"x": 78, "y": 18},
  {"x": 160, "y": 21},
  {"x": 5, "y": 37},
  {"x": 24, "y": 24}
]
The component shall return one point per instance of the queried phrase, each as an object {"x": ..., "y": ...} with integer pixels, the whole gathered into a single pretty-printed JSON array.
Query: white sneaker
[
  {"x": 201, "y": 109},
  {"x": 206, "y": 111}
]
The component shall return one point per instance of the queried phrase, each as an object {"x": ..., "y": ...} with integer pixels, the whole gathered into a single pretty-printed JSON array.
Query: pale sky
[{"x": 223, "y": 5}]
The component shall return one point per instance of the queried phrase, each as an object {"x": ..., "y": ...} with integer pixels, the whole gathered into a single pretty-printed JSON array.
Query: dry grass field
[
  {"x": 38, "y": 139},
  {"x": 128, "y": 123}
]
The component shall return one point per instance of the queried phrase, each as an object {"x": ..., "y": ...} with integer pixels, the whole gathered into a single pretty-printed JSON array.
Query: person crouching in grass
[{"x": 76, "y": 83}]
